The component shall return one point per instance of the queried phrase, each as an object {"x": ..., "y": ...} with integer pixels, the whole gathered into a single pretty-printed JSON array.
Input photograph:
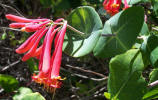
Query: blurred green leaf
[
  {"x": 8, "y": 83},
  {"x": 46, "y": 3},
  {"x": 125, "y": 81},
  {"x": 32, "y": 65},
  {"x": 155, "y": 6},
  {"x": 21, "y": 92},
  {"x": 151, "y": 95},
  {"x": 126, "y": 26},
  {"x": 107, "y": 95},
  {"x": 131, "y": 2},
  {"x": 144, "y": 30},
  {"x": 4, "y": 35},
  {"x": 33, "y": 96},
  {"x": 82, "y": 87},
  {"x": 150, "y": 49},
  {"x": 84, "y": 19},
  {"x": 153, "y": 75}
]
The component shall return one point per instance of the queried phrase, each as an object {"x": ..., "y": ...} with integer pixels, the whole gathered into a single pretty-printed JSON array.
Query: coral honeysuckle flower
[
  {"x": 18, "y": 19},
  {"x": 17, "y": 25},
  {"x": 49, "y": 66},
  {"x": 113, "y": 6}
]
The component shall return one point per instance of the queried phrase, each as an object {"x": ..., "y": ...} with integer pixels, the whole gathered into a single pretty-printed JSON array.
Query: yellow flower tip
[
  {"x": 38, "y": 79},
  {"x": 23, "y": 29},
  {"x": 115, "y": 5},
  {"x": 50, "y": 84},
  {"x": 59, "y": 78}
]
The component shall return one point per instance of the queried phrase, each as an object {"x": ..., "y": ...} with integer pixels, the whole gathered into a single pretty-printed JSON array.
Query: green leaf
[
  {"x": 153, "y": 75},
  {"x": 107, "y": 95},
  {"x": 8, "y": 83},
  {"x": 21, "y": 92},
  {"x": 126, "y": 26},
  {"x": 153, "y": 94},
  {"x": 131, "y": 2},
  {"x": 32, "y": 65},
  {"x": 150, "y": 49},
  {"x": 125, "y": 81},
  {"x": 155, "y": 6},
  {"x": 144, "y": 30},
  {"x": 4, "y": 36},
  {"x": 84, "y": 19},
  {"x": 33, "y": 96}
]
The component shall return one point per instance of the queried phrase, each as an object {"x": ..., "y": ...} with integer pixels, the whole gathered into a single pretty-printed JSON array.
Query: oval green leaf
[
  {"x": 86, "y": 20},
  {"x": 22, "y": 91},
  {"x": 126, "y": 26},
  {"x": 150, "y": 49},
  {"x": 33, "y": 96},
  {"x": 8, "y": 83},
  {"x": 125, "y": 80}
]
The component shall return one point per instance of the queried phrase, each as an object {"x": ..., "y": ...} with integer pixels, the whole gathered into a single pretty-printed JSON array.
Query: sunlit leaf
[
  {"x": 84, "y": 19},
  {"x": 125, "y": 81}
]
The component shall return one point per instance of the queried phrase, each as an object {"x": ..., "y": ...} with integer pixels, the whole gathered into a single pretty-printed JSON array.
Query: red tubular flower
[
  {"x": 37, "y": 52},
  {"x": 18, "y": 19},
  {"x": 28, "y": 43},
  {"x": 33, "y": 28},
  {"x": 17, "y": 25},
  {"x": 56, "y": 58},
  {"x": 34, "y": 47},
  {"x": 113, "y": 6},
  {"x": 49, "y": 67}
]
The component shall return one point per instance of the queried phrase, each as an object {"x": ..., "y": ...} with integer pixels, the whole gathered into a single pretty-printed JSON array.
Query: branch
[
  {"x": 5, "y": 6},
  {"x": 7, "y": 28},
  {"x": 156, "y": 29},
  {"x": 10, "y": 65},
  {"x": 87, "y": 71},
  {"x": 84, "y": 77},
  {"x": 153, "y": 84},
  {"x": 94, "y": 79}
]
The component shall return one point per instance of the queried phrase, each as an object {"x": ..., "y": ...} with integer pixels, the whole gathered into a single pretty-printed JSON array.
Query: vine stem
[{"x": 70, "y": 27}]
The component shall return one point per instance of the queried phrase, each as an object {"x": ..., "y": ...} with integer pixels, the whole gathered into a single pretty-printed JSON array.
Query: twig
[
  {"x": 85, "y": 77},
  {"x": 10, "y": 65},
  {"x": 156, "y": 29},
  {"x": 94, "y": 79},
  {"x": 5, "y": 6},
  {"x": 153, "y": 84},
  {"x": 7, "y": 48},
  {"x": 7, "y": 28},
  {"x": 97, "y": 87},
  {"x": 141, "y": 37},
  {"x": 87, "y": 71}
]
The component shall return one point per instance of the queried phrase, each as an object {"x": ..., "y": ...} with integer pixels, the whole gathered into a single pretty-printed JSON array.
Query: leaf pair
[{"x": 124, "y": 28}]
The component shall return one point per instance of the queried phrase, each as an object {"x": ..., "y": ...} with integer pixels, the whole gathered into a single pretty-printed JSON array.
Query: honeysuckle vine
[{"x": 54, "y": 32}]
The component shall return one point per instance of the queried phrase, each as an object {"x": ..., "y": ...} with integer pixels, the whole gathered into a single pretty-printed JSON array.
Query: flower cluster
[
  {"x": 49, "y": 66},
  {"x": 112, "y": 6}
]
